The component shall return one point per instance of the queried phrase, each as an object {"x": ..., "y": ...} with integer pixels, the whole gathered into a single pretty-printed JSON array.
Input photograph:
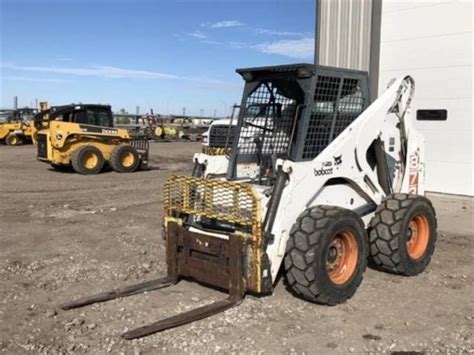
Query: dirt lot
[{"x": 63, "y": 235}]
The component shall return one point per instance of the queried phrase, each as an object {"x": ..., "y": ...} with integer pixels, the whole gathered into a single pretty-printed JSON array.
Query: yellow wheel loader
[
  {"x": 84, "y": 137},
  {"x": 315, "y": 186},
  {"x": 17, "y": 127}
]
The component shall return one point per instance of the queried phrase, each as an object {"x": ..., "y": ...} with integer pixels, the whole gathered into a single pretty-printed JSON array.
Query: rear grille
[
  {"x": 42, "y": 146},
  {"x": 218, "y": 136}
]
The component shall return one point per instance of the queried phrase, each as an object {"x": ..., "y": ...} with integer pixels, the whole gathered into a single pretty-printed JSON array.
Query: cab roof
[
  {"x": 55, "y": 111},
  {"x": 311, "y": 69},
  {"x": 75, "y": 107}
]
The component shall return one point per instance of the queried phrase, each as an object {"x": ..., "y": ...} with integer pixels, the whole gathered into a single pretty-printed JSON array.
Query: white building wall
[
  {"x": 343, "y": 33},
  {"x": 433, "y": 42}
]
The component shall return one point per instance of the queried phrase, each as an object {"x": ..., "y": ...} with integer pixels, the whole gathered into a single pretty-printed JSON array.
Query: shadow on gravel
[
  {"x": 154, "y": 168},
  {"x": 105, "y": 170}
]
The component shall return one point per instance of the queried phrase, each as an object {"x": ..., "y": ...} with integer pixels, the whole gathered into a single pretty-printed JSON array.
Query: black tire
[
  {"x": 120, "y": 153},
  {"x": 309, "y": 248},
  {"x": 13, "y": 139},
  {"x": 80, "y": 156},
  {"x": 398, "y": 240}
]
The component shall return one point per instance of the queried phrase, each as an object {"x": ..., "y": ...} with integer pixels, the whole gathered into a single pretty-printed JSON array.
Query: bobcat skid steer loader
[{"x": 324, "y": 184}]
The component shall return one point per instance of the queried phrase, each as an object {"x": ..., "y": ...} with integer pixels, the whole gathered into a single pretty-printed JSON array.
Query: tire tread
[
  {"x": 115, "y": 159},
  {"x": 385, "y": 228},
  {"x": 305, "y": 237}
]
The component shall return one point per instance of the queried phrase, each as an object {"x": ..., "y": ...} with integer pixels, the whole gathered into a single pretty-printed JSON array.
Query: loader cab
[
  {"x": 25, "y": 115},
  {"x": 90, "y": 115},
  {"x": 292, "y": 112},
  {"x": 93, "y": 115},
  {"x": 7, "y": 116}
]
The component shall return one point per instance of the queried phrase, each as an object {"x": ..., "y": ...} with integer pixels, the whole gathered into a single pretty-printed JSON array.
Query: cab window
[
  {"x": 65, "y": 117},
  {"x": 81, "y": 117},
  {"x": 99, "y": 118},
  {"x": 93, "y": 117}
]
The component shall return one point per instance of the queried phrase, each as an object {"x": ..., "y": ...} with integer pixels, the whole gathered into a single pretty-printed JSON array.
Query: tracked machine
[
  {"x": 316, "y": 187},
  {"x": 84, "y": 137}
]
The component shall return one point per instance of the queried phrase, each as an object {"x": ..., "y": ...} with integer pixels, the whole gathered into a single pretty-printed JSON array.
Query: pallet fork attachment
[
  {"x": 185, "y": 251},
  {"x": 119, "y": 292}
]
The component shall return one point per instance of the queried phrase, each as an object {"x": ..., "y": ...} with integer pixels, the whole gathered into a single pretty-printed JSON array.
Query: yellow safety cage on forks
[{"x": 219, "y": 207}]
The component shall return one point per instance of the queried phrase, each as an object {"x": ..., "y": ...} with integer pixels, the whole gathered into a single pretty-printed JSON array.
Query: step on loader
[
  {"x": 84, "y": 137},
  {"x": 316, "y": 187}
]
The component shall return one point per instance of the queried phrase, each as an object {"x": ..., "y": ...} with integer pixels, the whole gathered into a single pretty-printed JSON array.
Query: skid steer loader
[
  {"x": 84, "y": 137},
  {"x": 325, "y": 183},
  {"x": 17, "y": 127}
]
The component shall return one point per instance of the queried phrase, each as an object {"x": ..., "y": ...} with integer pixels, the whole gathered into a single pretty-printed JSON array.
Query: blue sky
[{"x": 162, "y": 54}]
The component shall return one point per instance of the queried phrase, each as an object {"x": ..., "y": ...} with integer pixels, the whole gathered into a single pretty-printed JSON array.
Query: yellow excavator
[
  {"x": 83, "y": 136},
  {"x": 17, "y": 127}
]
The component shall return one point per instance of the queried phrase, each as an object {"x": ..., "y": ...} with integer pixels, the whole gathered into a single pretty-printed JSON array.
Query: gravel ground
[{"x": 63, "y": 235}]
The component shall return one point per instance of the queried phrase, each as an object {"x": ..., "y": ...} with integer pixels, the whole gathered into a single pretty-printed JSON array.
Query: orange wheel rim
[
  {"x": 418, "y": 236},
  {"x": 342, "y": 257}
]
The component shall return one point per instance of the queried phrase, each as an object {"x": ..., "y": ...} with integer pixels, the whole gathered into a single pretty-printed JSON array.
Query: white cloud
[
  {"x": 224, "y": 24},
  {"x": 208, "y": 41},
  {"x": 295, "y": 48},
  {"x": 108, "y": 72},
  {"x": 98, "y": 71},
  {"x": 237, "y": 45},
  {"x": 197, "y": 34},
  {"x": 265, "y": 31},
  {"x": 42, "y": 80}
]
